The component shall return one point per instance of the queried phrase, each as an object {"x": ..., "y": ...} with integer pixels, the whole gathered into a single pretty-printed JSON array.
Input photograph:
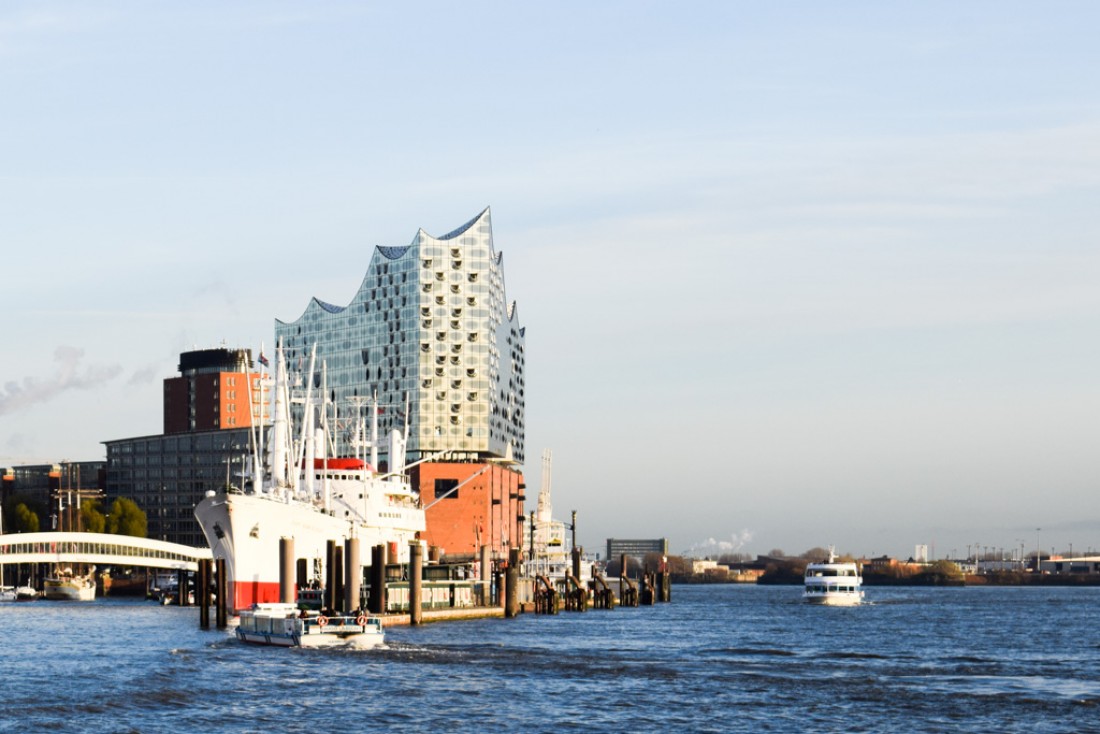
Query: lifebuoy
[
  {"x": 361, "y": 620},
  {"x": 322, "y": 621}
]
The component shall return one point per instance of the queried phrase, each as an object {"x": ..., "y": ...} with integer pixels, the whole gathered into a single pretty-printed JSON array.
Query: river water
[{"x": 717, "y": 659}]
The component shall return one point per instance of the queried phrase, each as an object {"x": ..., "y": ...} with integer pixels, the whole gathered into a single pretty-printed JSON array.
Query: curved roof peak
[{"x": 484, "y": 214}]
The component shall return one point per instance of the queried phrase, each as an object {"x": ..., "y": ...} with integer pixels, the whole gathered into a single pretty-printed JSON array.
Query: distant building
[
  {"x": 700, "y": 567},
  {"x": 431, "y": 334},
  {"x": 208, "y": 414},
  {"x": 212, "y": 392},
  {"x": 167, "y": 475},
  {"x": 37, "y": 485},
  {"x": 429, "y": 325},
  {"x": 635, "y": 548},
  {"x": 469, "y": 505}
]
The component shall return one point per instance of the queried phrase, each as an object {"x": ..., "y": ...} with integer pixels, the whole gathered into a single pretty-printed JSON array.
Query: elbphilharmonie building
[{"x": 430, "y": 328}]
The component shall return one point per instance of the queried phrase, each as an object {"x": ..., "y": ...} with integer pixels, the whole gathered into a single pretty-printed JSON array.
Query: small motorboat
[{"x": 284, "y": 625}]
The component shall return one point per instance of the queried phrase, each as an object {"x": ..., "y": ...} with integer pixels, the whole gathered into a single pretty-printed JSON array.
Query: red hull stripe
[{"x": 247, "y": 593}]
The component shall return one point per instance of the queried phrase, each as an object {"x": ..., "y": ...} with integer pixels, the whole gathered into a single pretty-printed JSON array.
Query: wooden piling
[
  {"x": 331, "y": 571},
  {"x": 377, "y": 601},
  {"x": 302, "y": 573},
  {"x": 416, "y": 569},
  {"x": 341, "y": 597},
  {"x": 181, "y": 588},
  {"x": 353, "y": 575},
  {"x": 286, "y": 571},
  {"x": 511, "y": 599},
  {"x": 203, "y": 584},
  {"x": 221, "y": 607}
]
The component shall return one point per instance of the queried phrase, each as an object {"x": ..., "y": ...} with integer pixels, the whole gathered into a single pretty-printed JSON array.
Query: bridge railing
[{"x": 97, "y": 548}]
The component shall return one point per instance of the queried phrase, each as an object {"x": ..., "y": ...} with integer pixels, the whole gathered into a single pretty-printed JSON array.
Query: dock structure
[{"x": 417, "y": 593}]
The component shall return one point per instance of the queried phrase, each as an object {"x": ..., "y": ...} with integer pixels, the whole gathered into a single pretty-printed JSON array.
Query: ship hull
[
  {"x": 68, "y": 590},
  {"x": 245, "y": 531}
]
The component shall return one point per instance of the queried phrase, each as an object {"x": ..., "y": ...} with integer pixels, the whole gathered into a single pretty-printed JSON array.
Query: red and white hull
[{"x": 245, "y": 531}]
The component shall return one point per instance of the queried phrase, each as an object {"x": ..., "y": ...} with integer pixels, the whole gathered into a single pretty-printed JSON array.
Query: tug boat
[
  {"x": 283, "y": 625},
  {"x": 833, "y": 583}
]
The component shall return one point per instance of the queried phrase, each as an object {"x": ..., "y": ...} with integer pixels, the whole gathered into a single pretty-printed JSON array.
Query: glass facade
[{"x": 430, "y": 325}]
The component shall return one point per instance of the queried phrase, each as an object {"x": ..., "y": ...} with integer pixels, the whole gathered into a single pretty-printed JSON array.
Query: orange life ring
[
  {"x": 361, "y": 620},
  {"x": 322, "y": 621}
]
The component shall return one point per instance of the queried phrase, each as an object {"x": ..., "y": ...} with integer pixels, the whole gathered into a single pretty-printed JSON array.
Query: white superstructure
[
  {"x": 833, "y": 583},
  {"x": 307, "y": 496}
]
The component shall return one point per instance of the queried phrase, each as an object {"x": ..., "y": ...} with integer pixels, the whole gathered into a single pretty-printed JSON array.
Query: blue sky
[{"x": 793, "y": 274}]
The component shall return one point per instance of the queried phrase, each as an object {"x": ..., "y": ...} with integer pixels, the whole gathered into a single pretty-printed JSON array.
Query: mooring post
[
  {"x": 577, "y": 561},
  {"x": 353, "y": 575},
  {"x": 341, "y": 598},
  {"x": 203, "y": 584},
  {"x": 181, "y": 588},
  {"x": 511, "y": 585},
  {"x": 221, "y": 608},
  {"x": 378, "y": 579},
  {"x": 331, "y": 571},
  {"x": 302, "y": 573},
  {"x": 286, "y": 570},
  {"x": 416, "y": 568},
  {"x": 486, "y": 576}
]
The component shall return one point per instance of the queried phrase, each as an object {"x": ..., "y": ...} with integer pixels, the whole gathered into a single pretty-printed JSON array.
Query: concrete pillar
[
  {"x": 511, "y": 584},
  {"x": 353, "y": 574},
  {"x": 486, "y": 565},
  {"x": 286, "y": 571}
]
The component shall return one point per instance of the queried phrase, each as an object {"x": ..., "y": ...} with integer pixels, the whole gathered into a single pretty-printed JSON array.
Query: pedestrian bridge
[{"x": 100, "y": 549}]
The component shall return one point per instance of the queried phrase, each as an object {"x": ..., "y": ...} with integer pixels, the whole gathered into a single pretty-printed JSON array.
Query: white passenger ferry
[
  {"x": 283, "y": 625},
  {"x": 833, "y": 583}
]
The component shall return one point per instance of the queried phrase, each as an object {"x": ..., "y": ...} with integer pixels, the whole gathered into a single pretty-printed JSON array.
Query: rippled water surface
[{"x": 717, "y": 659}]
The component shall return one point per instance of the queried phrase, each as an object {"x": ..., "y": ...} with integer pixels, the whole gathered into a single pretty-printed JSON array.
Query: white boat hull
[
  {"x": 244, "y": 530},
  {"x": 835, "y": 599},
  {"x": 279, "y": 625},
  {"x": 69, "y": 590}
]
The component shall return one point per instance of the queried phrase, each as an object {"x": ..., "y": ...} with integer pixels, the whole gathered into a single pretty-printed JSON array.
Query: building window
[{"x": 443, "y": 486}]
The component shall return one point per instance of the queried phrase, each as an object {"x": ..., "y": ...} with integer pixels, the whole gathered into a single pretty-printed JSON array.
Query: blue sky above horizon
[{"x": 792, "y": 275}]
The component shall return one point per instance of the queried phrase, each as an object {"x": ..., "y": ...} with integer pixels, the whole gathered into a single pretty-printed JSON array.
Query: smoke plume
[
  {"x": 714, "y": 547},
  {"x": 31, "y": 391}
]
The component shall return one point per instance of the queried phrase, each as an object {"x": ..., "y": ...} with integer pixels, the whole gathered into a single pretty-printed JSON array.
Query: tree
[
  {"x": 26, "y": 521},
  {"x": 816, "y": 554},
  {"x": 126, "y": 518},
  {"x": 91, "y": 519}
]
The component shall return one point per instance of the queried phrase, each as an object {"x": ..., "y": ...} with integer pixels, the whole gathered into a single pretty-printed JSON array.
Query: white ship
[
  {"x": 550, "y": 549},
  {"x": 66, "y": 585},
  {"x": 833, "y": 583},
  {"x": 335, "y": 499}
]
